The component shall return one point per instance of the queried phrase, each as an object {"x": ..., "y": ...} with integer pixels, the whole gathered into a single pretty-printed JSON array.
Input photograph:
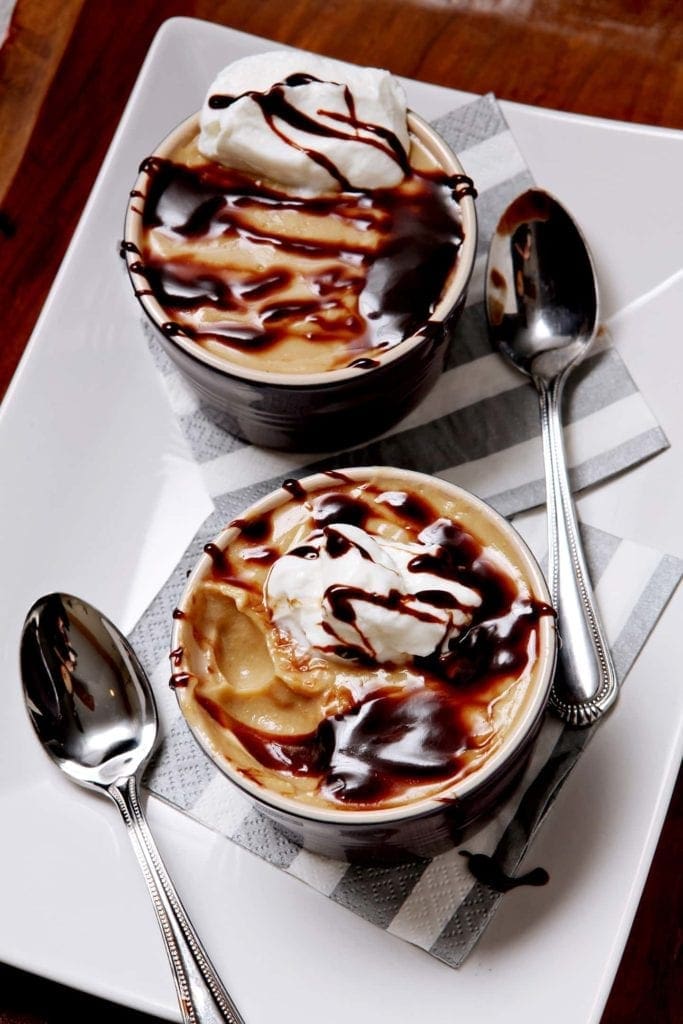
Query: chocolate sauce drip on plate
[{"x": 486, "y": 870}]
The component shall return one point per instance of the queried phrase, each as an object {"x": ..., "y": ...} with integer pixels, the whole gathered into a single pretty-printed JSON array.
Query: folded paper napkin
[{"x": 480, "y": 429}]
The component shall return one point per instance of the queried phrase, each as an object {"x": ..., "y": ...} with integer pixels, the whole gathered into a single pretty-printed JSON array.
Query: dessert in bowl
[
  {"x": 303, "y": 247},
  {"x": 367, "y": 655}
]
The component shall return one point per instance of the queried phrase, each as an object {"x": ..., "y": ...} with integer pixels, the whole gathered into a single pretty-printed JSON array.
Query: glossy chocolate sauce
[
  {"x": 397, "y": 737},
  {"x": 363, "y": 294},
  {"x": 176, "y": 656},
  {"x": 179, "y": 680},
  {"x": 364, "y": 363},
  {"x": 294, "y": 488},
  {"x": 486, "y": 870},
  {"x": 218, "y": 558}
]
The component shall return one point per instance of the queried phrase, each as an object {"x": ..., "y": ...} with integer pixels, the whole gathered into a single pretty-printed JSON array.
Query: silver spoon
[
  {"x": 93, "y": 710},
  {"x": 542, "y": 308}
]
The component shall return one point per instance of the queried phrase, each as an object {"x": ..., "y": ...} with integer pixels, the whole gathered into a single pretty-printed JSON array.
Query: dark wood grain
[
  {"x": 65, "y": 75},
  {"x": 35, "y": 47}
]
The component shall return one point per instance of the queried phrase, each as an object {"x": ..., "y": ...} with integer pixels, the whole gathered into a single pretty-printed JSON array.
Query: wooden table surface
[{"x": 66, "y": 70}]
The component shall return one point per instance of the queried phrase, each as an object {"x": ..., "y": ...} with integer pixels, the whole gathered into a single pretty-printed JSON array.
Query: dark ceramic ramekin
[
  {"x": 320, "y": 411},
  {"x": 428, "y": 825}
]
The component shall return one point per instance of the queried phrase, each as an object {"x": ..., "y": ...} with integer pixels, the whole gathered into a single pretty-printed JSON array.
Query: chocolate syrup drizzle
[
  {"x": 396, "y": 737},
  {"x": 276, "y": 109},
  {"x": 397, "y": 281}
]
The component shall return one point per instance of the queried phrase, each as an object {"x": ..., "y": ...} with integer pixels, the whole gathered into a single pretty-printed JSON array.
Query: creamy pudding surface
[
  {"x": 298, "y": 226},
  {"x": 363, "y": 644}
]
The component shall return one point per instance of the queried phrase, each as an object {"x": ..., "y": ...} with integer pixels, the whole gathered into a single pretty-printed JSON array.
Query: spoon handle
[
  {"x": 202, "y": 997},
  {"x": 587, "y": 685}
]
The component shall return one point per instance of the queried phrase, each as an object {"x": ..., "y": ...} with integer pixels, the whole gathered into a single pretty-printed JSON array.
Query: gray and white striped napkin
[{"x": 480, "y": 429}]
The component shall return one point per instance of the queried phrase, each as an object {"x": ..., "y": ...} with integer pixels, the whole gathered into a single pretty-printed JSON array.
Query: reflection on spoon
[
  {"x": 93, "y": 710},
  {"x": 542, "y": 307}
]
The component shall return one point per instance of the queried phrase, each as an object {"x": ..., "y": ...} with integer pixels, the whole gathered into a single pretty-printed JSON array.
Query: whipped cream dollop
[
  {"x": 307, "y": 122},
  {"x": 345, "y": 593}
]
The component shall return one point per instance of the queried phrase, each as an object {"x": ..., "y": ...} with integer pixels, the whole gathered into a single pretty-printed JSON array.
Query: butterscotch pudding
[
  {"x": 363, "y": 641},
  {"x": 302, "y": 231}
]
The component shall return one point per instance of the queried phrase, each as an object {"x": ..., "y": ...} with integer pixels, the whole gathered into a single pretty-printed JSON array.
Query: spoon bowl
[
  {"x": 542, "y": 309},
  {"x": 86, "y": 692},
  {"x": 93, "y": 710},
  {"x": 541, "y": 293}
]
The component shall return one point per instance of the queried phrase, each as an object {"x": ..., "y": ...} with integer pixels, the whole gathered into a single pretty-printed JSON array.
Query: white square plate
[{"x": 99, "y": 498}]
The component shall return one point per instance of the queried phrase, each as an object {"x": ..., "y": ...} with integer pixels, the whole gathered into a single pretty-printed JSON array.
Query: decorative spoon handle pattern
[
  {"x": 201, "y": 995},
  {"x": 586, "y": 685}
]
